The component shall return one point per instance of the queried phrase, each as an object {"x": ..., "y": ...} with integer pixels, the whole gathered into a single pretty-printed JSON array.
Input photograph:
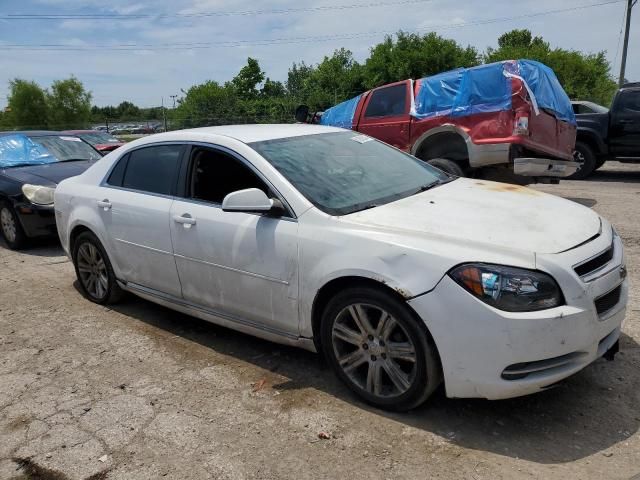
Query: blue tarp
[
  {"x": 487, "y": 88},
  {"x": 18, "y": 149},
  {"x": 468, "y": 91},
  {"x": 342, "y": 114}
]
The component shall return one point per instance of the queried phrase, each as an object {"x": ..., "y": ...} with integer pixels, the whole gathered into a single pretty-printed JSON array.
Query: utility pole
[
  {"x": 173, "y": 97},
  {"x": 164, "y": 115},
  {"x": 623, "y": 63}
]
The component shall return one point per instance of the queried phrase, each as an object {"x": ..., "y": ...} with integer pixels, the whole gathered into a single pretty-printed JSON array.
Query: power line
[
  {"x": 137, "y": 16},
  {"x": 286, "y": 40}
]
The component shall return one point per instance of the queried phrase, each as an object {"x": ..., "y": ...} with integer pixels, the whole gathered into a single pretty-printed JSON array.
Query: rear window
[
  {"x": 387, "y": 101},
  {"x": 152, "y": 169}
]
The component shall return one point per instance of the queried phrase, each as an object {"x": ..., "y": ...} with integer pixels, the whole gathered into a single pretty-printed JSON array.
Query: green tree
[
  {"x": 297, "y": 78},
  {"x": 127, "y": 111},
  {"x": 249, "y": 77},
  {"x": 26, "y": 106},
  {"x": 415, "y": 56},
  {"x": 206, "y": 104},
  {"x": 69, "y": 104},
  {"x": 272, "y": 89},
  {"x": 583, "y": 76}
]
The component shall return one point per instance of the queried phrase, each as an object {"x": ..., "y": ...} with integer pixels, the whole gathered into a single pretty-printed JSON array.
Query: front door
[
  {"x": 624, "y": 132},
  {"x": 244, "y": 265},
  {"x": 134, "y": 205},
  {"x": 386, "y": 115}
]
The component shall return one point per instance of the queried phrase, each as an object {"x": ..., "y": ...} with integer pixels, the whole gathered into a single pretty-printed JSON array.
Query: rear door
[
  {"x": 134, "y": 204},
  {"x": 624, "y": 132},
  {"x": 385, "y": 114}
]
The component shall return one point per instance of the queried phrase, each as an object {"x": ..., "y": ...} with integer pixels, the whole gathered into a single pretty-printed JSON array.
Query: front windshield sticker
[
  {"x": 361, "y": 139},
  {"x": 71, "y": 139}
]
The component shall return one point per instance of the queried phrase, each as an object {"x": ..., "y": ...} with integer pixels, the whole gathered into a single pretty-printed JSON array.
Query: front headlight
[
  {"x": 38, "y": 194},
  {"x": 508, "y": 288}
]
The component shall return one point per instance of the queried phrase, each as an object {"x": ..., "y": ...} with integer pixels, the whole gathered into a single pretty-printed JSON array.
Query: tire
[
  {"x": 357, "y": 326},
  {"x": 448, "y": 166},
  {"x": 584, "y": 155},
  {"x": 11, "y": 228},
  {"x": 94, "y": 271},
  {"x": 600, "y": 162}
]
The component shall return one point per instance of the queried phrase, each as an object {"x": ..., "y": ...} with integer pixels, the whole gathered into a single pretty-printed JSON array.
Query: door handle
[
  {"x": 104, "y": 204},
  {"x": 186, "y": 220}
]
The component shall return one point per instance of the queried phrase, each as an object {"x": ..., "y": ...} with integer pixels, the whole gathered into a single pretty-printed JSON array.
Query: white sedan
[{"x": 402, "y": 276}]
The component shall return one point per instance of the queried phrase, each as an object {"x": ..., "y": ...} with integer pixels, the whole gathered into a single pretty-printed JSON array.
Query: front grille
[
  {"x": 609, "y": 300},
  {"x": 595, "y": 263}
]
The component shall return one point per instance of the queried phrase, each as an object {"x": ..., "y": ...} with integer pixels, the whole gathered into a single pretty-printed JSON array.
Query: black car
[
  {"x": 32, "y": 163},
  {"x": 608, "y": 134}
]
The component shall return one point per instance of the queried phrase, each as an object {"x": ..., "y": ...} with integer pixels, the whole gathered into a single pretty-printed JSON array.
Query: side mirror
[
  {"x": 249, "y": 200},
  {"x": 302, "y": 114}
]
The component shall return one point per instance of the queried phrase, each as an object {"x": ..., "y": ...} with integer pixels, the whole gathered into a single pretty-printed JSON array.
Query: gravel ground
[{"x": 138, "y": 391}]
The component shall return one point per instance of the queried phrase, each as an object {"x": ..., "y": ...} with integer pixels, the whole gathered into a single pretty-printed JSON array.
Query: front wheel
[
  {"x": 11, "y": 228},
  {"x": 94, "y": 271},
  {"x": 378, "y": 349},
  {"x": 586, "y": 159}
]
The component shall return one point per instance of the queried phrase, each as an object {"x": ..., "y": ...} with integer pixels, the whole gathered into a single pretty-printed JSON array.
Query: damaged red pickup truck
[{"x": 509, "y": 121}]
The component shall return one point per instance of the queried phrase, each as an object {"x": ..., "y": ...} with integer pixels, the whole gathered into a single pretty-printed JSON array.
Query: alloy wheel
[
  {"x": 8, "y": 224},
  {"x": 374, "y": 350},
  {"x": 92, "y": 270}
]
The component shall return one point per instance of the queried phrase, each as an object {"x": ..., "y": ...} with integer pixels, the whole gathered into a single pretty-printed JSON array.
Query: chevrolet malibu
[{"x": 402, "y": 276}]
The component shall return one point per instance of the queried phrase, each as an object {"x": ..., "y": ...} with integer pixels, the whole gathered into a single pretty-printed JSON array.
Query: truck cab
[{"x": 608, "y": 134}]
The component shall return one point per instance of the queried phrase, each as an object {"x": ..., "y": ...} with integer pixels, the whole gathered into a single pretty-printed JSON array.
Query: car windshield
[
  {"x": 342, "y": 173},
  {"x": 18, "y": 150},
  {"x": 95, "y": 138}
]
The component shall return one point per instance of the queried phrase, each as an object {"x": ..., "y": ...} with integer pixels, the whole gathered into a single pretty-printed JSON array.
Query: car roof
[
  {"x": 74, "y": 132},
  {"x": 259, "y": 133},
  {"x": 31, "y": 133}
]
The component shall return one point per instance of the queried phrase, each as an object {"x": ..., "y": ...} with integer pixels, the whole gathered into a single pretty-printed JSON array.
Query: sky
[{"x": 163, "y": 59}]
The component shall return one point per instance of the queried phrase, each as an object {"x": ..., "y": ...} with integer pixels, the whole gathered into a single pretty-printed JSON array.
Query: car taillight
[{"x": 521, "y": 126}]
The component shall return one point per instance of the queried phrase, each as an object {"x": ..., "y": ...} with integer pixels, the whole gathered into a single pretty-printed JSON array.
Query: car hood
[
  {"x": 495, "y": 214},
  {"x": 49, "y": 174}
]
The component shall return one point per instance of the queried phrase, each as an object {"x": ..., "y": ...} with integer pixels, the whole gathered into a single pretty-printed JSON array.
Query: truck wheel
[
  {"x": 587, "y": 160},
  {"x": 448, "y": 166}
]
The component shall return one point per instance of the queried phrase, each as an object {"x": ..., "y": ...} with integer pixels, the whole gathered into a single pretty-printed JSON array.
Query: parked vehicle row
[
  {"x": 608, "y": 134},
  {"x": 102, "y": 141},
  {"x": 401, "y": 275}
]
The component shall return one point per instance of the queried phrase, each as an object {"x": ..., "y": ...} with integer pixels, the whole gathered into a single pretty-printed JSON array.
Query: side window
[
  {"x": 577, "y": 108},
  {"x": 630, "y": 101},
  {"x": 387, "y": 101},
  {"x": 117, "y": 174},
  {"x": 153, "y": 169},
  {"x": 215, "y": 174}
]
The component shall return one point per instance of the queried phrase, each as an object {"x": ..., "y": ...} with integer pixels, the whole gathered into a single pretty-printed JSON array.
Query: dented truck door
[{"x": 385, "y": 114}]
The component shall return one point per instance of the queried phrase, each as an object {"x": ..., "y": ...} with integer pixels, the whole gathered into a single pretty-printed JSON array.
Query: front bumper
[
  {"x": 36, "y": 220},
  {"x": 480, "y": 346}
]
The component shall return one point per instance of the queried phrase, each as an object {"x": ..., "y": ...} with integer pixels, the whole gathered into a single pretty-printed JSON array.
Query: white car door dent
[{"x": 232, "y": 262}]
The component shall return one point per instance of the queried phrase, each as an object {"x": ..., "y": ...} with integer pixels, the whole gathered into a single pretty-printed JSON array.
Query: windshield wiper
[{"x": 74, "y": 160}]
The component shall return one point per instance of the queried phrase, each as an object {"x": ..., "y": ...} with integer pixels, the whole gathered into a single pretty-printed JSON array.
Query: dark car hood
[{"x": 49, "y": 174}]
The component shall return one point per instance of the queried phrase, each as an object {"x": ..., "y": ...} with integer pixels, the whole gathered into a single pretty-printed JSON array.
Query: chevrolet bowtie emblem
[{"x": 623, "y": 272}]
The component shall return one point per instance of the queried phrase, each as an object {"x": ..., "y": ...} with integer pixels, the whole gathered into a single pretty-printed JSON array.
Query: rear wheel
[
  {"x": 11, "y": 228},
  {"x": 376, "y": 346},
  {"x": 94, "y": 271},
  {"x": 448, "y": 166},
  {"x": 583, "y": 154}
]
